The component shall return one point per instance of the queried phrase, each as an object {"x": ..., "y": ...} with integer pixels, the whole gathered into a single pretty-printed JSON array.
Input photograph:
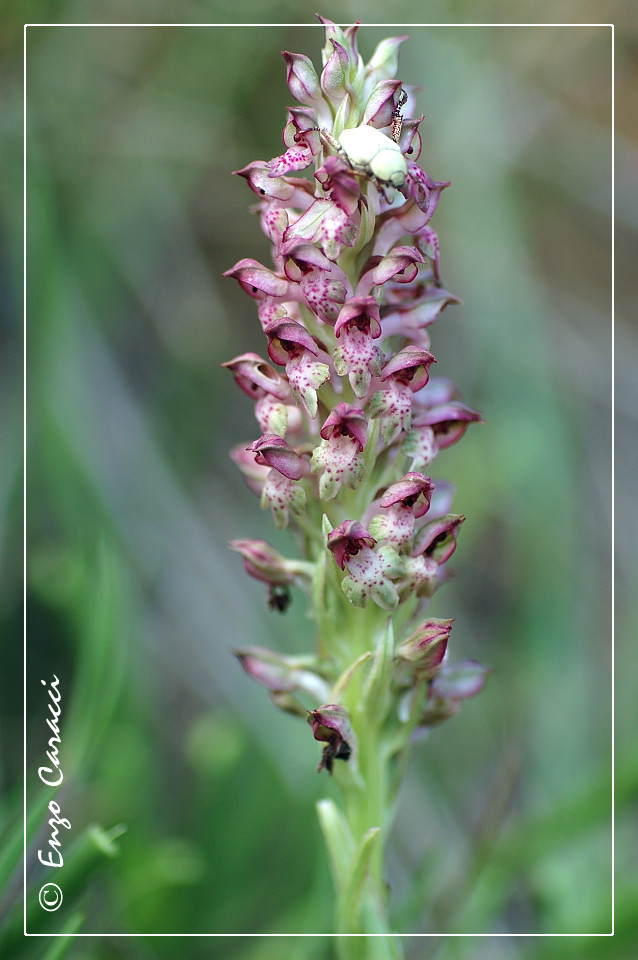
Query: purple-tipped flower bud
[
  {"x": 256, "y": 280},
  {"x": 448, "y": 421},
  {"x": 425, "y": 648},
  {"x": 331, "y": 725},
  {"x": 335, "y": 76},
  {"x": 280, "y": 673},
  {"x": 437, "y": 539},
  {"x": 264, "y": 563},
  {"x": 273, "y": 451},
  {"x": 381, "y": 105},
  {"x": 333, "y": 32},
  {"x": 257, "y": 174},
  {"x": 257, "y": 378},
  {"x": 452, "y": 684},
  {"x": 384, "y": 61},
  {"x": 350, "y": 39},
  {"x": 302, "y": 79},
  {"x": 253, "y": 473},
  {"x": 458, "y": 681}
]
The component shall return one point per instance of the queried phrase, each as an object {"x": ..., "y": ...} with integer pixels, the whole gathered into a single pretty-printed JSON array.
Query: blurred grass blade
[{"x": 62, "y": 945}]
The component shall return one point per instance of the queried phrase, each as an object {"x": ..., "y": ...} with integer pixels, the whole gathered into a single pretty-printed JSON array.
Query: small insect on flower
[
  {"x": 278, "y": 598},
  {"x": 371, "y": 153}
]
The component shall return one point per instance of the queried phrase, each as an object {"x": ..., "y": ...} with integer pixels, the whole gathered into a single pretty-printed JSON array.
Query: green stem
[
  {"x": 362, "y": 911},
  {"x": 362, "y": 901}
]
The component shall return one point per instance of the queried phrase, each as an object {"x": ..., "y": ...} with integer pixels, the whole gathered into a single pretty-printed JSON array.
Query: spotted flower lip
[
  {"x": 322, "y": 284},
  {"x": 301, "y": 137},
  {"x": 325, "y": 223},
  {"x": 338, "y": 460},
  {"x": 356, "y": 354},
  {"x": 371, "y": 573},
  {"x": 283, "y": 495},
  {"x": 290, "y": 343},
  {"x": 413, "y": 490},
  {"x": 273, "y": 451},
  {"x": 347, "y": 539},
  {"x": 403, "y": 375}
]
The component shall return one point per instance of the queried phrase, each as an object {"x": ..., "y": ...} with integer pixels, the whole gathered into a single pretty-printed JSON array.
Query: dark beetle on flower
[{"x": 279, "y": 598}]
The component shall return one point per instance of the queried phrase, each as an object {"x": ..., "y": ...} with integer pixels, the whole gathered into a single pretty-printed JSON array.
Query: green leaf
[
  {"x": 345, "y": 678},
  {"x": 376, "y": 692},
  {"x": 65, "y": 939},
  {"x": 348, "y": 906},
  {"x": 339, "y": 839}
]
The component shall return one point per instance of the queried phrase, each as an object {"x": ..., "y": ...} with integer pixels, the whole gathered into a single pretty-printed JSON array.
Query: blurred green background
[{"x": 191, "y": 799}]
